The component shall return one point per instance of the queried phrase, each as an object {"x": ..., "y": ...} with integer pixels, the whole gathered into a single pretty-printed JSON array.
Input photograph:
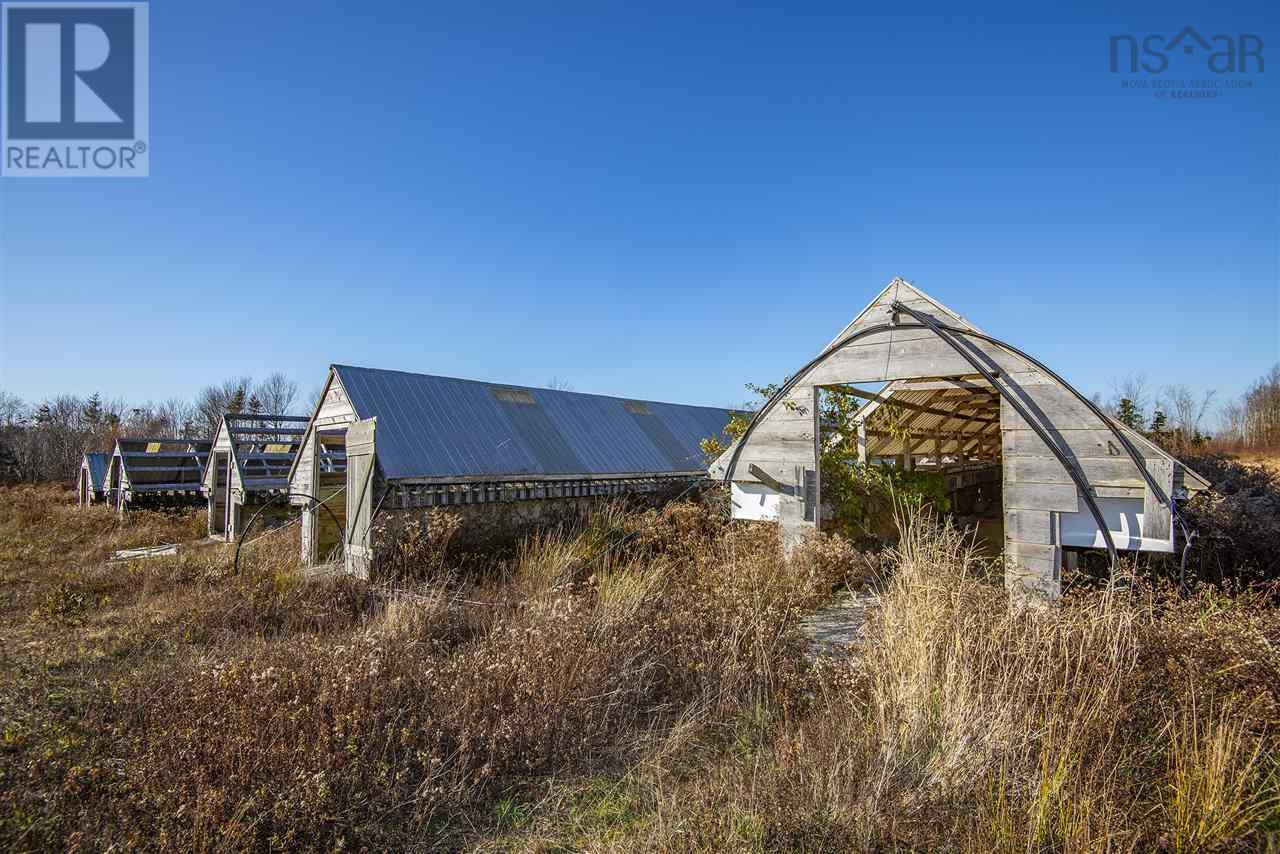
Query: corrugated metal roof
[
  {"x": 97, "y": 468},
  {"x": 431, "y": 426}
]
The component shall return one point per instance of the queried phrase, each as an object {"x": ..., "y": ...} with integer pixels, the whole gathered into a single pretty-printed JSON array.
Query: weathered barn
[
  {"x": 392, "y": 444},
  {"x": 146, "y": 472},
  {"x": 1020, "y": 447},
  {"x": 92, "y": 478},
  {"x": 248, "y": 470}
]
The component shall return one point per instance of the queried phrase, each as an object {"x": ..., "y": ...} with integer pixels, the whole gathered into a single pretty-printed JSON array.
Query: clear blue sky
[{"x": 623, "y": 199}]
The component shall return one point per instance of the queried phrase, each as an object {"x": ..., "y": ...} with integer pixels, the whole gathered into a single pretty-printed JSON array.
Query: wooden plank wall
[
  {"x": 1037, "y": 486},
  {"x": 335, "y": 411},
  {"x": 320, "y": 537}
]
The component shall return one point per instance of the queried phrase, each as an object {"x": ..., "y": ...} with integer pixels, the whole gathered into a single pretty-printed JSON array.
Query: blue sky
[{"x": 662, "y": 203}]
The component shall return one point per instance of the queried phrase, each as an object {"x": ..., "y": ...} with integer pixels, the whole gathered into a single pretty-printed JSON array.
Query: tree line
[
  {"x": 44, "y": 441},
  {"x": 1174, "y": 416},
  {"x": 1254, "y": 420}
]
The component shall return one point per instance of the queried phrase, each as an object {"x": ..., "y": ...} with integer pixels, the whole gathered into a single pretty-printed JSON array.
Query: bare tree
[
  {"x": 1232, "y": 417},
  {"x": 559, "y": 384},
  {"x": 1134, "y": 388},
  {"x": 176, "y": 417},
  {"x": 13, "y": 415},
  {"x": 277, "y": 394},
  {"x": 1261, "y": 405},
  {"x": 216, "y": 400},
  {"x": 45, "y": 442},
  {"x": 13, "y": 410},
  {"x": 313, "y": 399},
  {"x": 50, "y": 445},
  {"x": 1186, "y": 411}
]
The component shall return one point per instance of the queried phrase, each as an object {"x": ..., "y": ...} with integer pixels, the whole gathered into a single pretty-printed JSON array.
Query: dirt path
[{"x": 838, "y": 629}]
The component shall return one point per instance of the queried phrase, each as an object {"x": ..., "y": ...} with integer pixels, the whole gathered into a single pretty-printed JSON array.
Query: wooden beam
[
  {"x": 915, "y": 407},
  {"x": 976, "y": 383},
  {"x": 156, "y": 455},
  {"x": 165, "y": 487},
  {"x": 768, "y": 479},
  {"x": 911, "y": 419},
  {"x": 272, "y": 431},
  {"x": 244, "y": 416}
]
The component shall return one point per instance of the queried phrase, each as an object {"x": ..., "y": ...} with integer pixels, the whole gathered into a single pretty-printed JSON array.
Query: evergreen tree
[
  {"x": 92, "y": 411},
  {"x": 1129, "y": 415},
  {"x": 1159, "y": 421},
  {"x": 237, "y": 401}
]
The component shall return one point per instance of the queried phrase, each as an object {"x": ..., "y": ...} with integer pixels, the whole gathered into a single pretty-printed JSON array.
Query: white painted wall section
[
  {"x": 755, "y": 501},
  {"x": 1124, "y": 520}
]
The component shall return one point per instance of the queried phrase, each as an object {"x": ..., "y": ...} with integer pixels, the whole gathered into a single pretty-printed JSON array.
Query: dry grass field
[{"x": 656, "y": 698}]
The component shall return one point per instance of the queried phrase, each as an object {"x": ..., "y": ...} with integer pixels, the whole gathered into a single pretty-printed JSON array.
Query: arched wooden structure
[{"x": 975, "y": 407}]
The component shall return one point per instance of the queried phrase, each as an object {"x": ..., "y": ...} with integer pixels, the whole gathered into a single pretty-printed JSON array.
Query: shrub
[{"x": 1236, "y": 524}]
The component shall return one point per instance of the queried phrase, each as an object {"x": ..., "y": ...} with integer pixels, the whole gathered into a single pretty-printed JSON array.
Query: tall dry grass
[
  {"x": 638, "y": 682},
  {"x": 1118, "y": 722},
  {"x": 1221, "y": 784}
]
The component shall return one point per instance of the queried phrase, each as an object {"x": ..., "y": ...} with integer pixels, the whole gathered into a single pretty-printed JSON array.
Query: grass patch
[{"x": 659, "y": 699}]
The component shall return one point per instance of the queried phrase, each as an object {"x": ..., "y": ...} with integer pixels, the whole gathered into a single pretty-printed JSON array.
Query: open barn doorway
[
  {"x": 219, "y": 496},
  {"x": 326, "y": 528},
  {"x": 934, "y": 440},
  {"x": 112, "y": 492}
]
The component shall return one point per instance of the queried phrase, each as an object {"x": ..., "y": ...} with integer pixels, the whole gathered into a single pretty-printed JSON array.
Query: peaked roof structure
[
  {"x": 878, "y": 313},
  {"x": 96, "y": 464},
  {"x": 441, "y": 427},
  {"x": 161, "y": 465},
  {"x": 262, "y": 448},
  {"x": 879, "y": 310},
  {"x": 909, "y": 354}
]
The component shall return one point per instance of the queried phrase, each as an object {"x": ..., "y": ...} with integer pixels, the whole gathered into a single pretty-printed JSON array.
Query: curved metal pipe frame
[
  {"x": 1081, "y": 482},
  {"x": 315, "y": 502}
]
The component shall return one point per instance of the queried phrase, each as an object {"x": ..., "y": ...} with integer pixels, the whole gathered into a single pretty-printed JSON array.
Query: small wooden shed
[
  {"x": 156, "y": 472},
  {"x": 391, "y": 445},
  {"x": 248, "y": 470},
  {"x": 1060, "y": 474},
  {"x": 92, "y": 478}
]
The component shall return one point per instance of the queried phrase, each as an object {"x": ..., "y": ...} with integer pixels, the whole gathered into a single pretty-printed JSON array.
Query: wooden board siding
[
  {"x": 1028, "y": 526},
  {"x": 1107, "y": 471},
  {"x": 321, "y": 536},
  {"x": 1157, "y": 522},
  {"x": 334, "y": 411},
  {"x": 361, "y": 472},
  {"x": 219, "y": 463},
  {"x": 1036, "y": 484}
]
